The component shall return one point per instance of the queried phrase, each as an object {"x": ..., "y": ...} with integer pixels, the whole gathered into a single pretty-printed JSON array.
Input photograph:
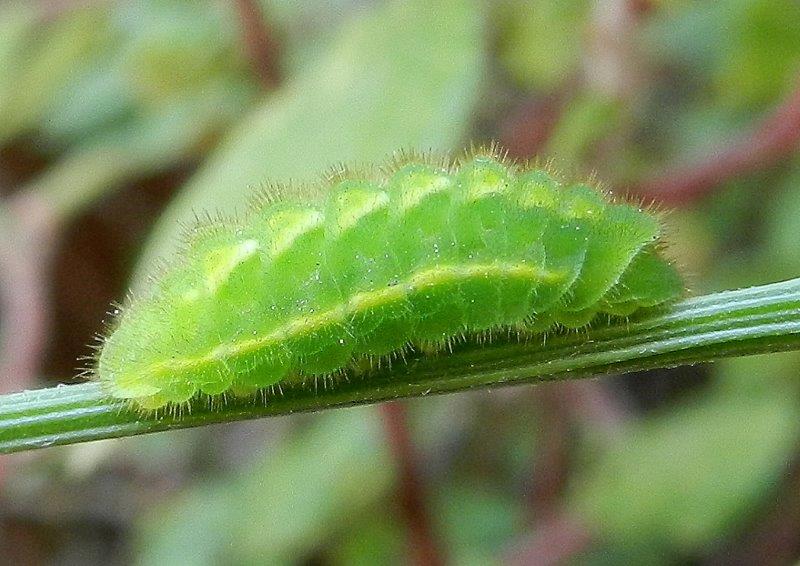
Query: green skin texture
[{"x": 419, "y": 255}]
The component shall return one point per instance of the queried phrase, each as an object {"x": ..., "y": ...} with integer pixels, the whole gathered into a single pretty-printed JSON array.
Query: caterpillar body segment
[{"x": 419, "y": 254}]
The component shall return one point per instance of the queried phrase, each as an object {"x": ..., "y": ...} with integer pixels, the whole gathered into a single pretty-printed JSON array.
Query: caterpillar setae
[{"x": 417, "y": 253}]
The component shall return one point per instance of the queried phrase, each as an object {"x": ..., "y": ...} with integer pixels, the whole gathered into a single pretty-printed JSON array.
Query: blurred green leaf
[
  {"x": 17, "y": 22},
  {"x": 37, "y": 59},
  {"x": 477, "y": 521},
  {"x": 589, "y": 119},
  {"x": 378, "y": 539},
  {"x": 306, "y": 29},
  {"x": 162, "y": 80},
  {"x": 161, "y": 66},
  {"x": 540, "y": 41},
  {"x": 690, "y": 33},
  {"x": 762, "y": 53},
  {"x": 403, "y": 77},
  {"x": 304, "y": 492},
  {"x": 684, "y": 478},
  {"x": 721, "y": 65},
  {"x": 783, "y": 224}
]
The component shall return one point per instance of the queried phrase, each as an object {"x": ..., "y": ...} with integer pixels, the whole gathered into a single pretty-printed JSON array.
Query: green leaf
[
  {"x": 404, "y": 76},
  {"x": 310, "y": 487},
  {"x": 477, "y": 522},
  {"x": 684, "y": 478},
  {"x": 763, "y": 58},
  {"x": 540, "y": 41},
  {"x": 782, "y": 224},
  {"x": 589, "y": 118},
  {"x": 38, "y": 59}
]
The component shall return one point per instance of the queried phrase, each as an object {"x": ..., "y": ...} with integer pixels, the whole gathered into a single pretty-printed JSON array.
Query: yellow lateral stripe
[{"x": 363, "y": 301}]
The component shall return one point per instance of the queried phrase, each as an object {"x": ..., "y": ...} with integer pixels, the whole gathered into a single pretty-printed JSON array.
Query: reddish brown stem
[
  {"x": 529, "y": 126},
  {"x": 24, "y": 260},
  {"x": 611, "y": 60},
  {"x": 642, "y": 8},
  {"x": 259, "y": 43},
  {"x": 424, "y": 548},
  {"x": 555, "y": 541},
  {"x": 774, "y": 139},
  {"x": 562, "y": 405},
  {"x": 594, "y": 405},
  {"x": 552, "y": 460}
]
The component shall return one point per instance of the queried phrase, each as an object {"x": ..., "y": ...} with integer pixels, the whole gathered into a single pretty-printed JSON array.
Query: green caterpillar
[{"x": 417, "y": 253}]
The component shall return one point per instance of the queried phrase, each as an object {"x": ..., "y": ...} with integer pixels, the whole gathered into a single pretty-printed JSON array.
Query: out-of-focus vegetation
[{"x": 120, "y": 120}]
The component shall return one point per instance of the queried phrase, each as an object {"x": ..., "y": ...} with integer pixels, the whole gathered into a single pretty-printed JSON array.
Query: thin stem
[
  {"x": 556, "y": 541},
  {"x": 259, "y": 43},
  {"x": 774, "y": 139},
  {"x": 551, "y": 461},
  {"x": 424, "y": 548},
  {"x": 27, "y": 242},
  {"x": 731, "y": 323}
]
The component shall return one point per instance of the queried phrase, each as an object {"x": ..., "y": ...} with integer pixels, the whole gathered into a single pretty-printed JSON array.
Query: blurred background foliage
[{"x": 119, "y": 120}]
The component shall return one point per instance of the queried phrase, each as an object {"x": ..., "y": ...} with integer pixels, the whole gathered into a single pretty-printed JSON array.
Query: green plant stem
[{"x": 732, "y": 323}]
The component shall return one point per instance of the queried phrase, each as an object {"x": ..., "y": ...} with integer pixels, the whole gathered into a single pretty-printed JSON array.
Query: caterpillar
[{"x": 416, "y": 253}]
